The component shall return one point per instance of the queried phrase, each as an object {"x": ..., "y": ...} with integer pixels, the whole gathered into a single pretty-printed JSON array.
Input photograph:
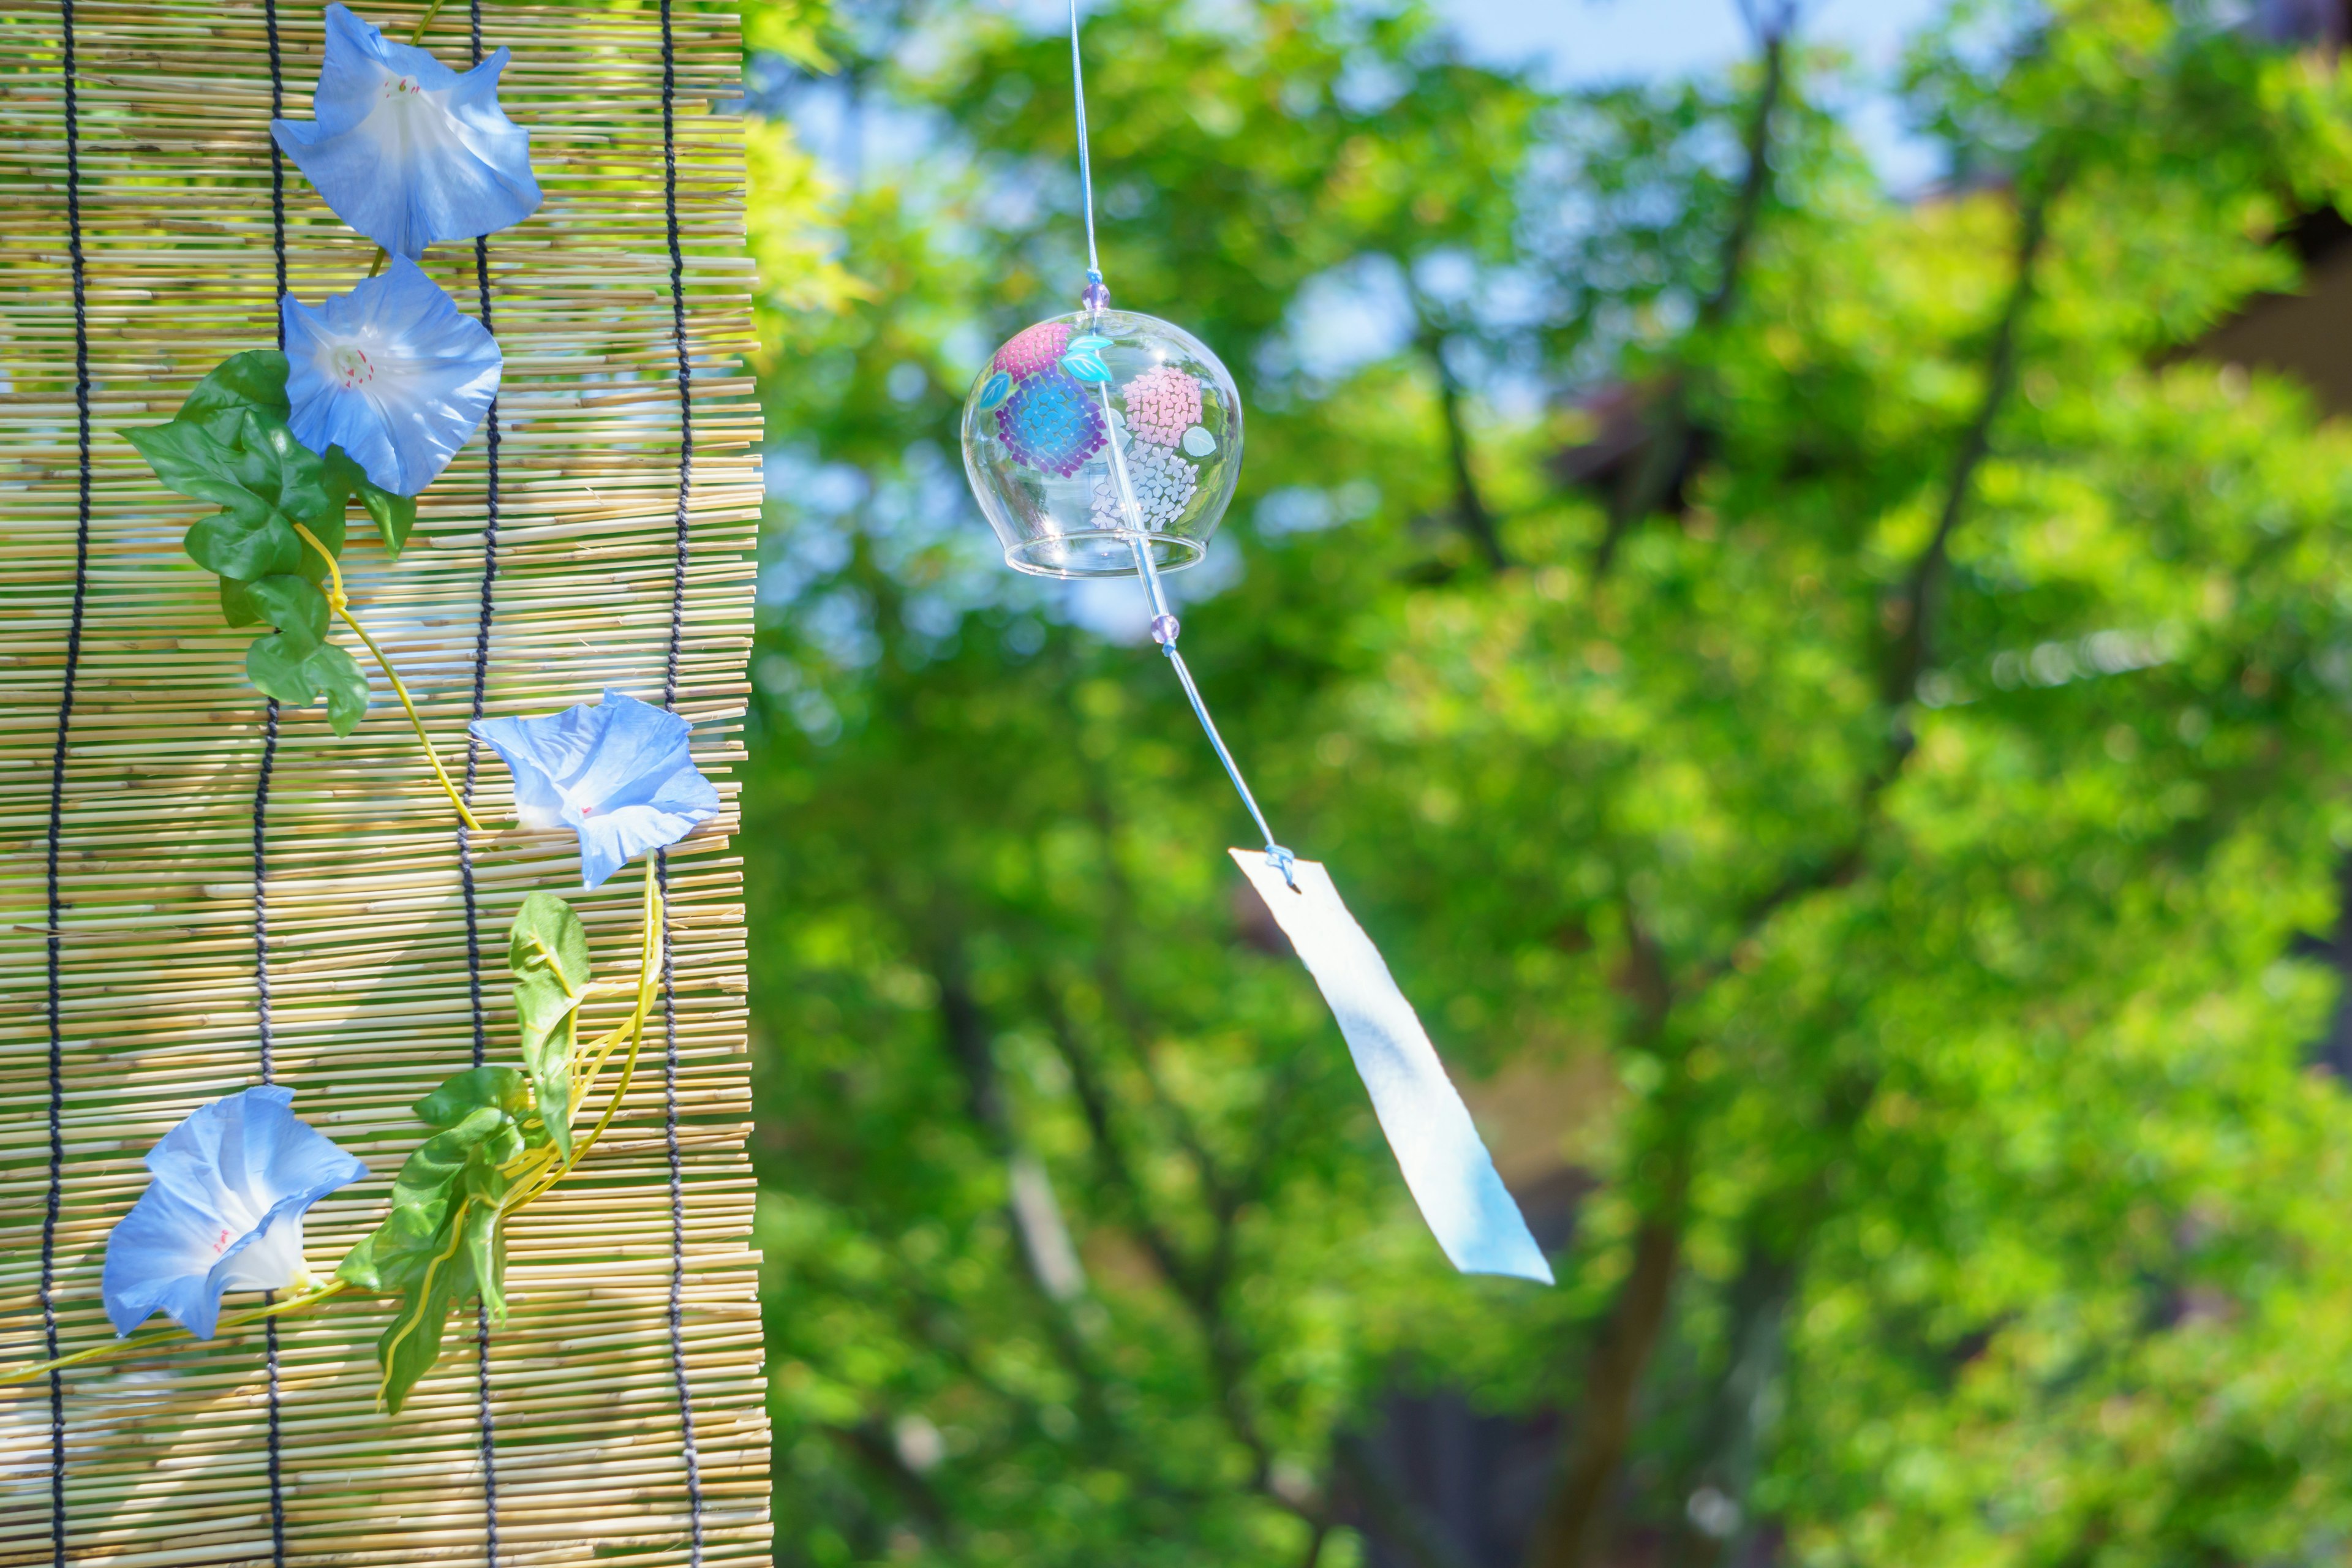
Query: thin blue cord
[
  {"x": 1164, "y": 629},
  {"x": 1085, "y": 168}
]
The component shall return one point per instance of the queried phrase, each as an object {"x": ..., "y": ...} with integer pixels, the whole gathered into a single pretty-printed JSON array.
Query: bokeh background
[{"x": 1794, "y": 562}]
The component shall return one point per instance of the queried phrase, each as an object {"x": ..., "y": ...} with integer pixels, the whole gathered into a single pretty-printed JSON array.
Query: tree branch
[
  {"x": 1470, "y": 511},
  {"x": 1667, "y": 453},
  {"x": 1913, "y": 614}
]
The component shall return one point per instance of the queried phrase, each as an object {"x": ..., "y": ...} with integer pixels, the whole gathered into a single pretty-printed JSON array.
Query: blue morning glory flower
[
  {"x": 392, "y": 371},
  {"x": 617, "y": 774},
  {"x": 405, "y": 150},
  {"x": 224, "y": 1212}
]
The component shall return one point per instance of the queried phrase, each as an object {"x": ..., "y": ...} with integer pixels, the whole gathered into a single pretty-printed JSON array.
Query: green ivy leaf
[
  {"x": 282, "y": 668},
  {"x": 245, "y": 548},
  {"x": 411, "y": 1342},
  {"x": 296, "y": 609},
  {"x": 394, "y": 515},
  {"x": 547, "y": 952},
  {"x": 191, "y": 460},
  {"x": 237, "y": 606},
  {"x": 301, "y": 474},
  {"x": 255, "y": 380},
  {"x": 497, "y": 1088},
  {"x": 441, "y": 1242},
  {"x": 339, "y": 674}
]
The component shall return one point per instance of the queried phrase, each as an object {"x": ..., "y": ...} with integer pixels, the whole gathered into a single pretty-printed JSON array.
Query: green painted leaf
[
  {"x": 297, "y": 609},
  {"x": 255, "y": 379},
  {"x": 547, "y": 952}
]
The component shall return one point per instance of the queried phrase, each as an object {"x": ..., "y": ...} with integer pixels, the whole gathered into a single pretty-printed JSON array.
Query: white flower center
[
  {"x": 400, "y": 86},
  {"x": 349, "y": 364}
]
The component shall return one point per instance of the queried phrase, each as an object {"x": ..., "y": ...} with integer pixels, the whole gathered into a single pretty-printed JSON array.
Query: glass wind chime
[{"x": 1105, "y": 444}]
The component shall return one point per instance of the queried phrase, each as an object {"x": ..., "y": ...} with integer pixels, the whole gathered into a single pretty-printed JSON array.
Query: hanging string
[
  {"x": 57, "y": 807},
  {"x": 661, "y": 856},
  {"x": 261, "y": 811},
  {"x": 1086, "y": 170},
  {"x": 1164, "y": 624},
  {"x": 485, "y": 1421}
]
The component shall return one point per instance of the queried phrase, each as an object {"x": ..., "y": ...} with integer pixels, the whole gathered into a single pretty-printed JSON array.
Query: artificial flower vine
[
  {"x": 376, "y": 389},
  {"x": 233, "y": 1180},
  {"x": 374, "y": 392}
]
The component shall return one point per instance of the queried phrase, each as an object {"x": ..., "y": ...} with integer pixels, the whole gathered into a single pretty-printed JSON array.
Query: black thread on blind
[
  {"x": 261, "y": 801},
  {"x": 57, "y": 805},
  {"x": 661, "y": 857},
  {"x": 484, "y": 1419}
]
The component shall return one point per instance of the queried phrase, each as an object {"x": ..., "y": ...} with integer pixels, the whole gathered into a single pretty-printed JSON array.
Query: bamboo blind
[{"x": 167, "y": 1457}]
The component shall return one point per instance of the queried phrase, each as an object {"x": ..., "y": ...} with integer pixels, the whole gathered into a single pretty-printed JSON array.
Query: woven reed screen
[{"x": 167, "y": 1459}]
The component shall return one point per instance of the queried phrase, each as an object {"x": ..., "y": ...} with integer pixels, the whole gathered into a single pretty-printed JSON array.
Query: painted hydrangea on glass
[
  {"x": 1033, "y": 350},
  {"x": 405, "y": 150},
  {"x": 616, "y": 773},
  {"x": 1162, "y": 403},
  {"x": 1050, "y": 422},
  {"x": 1163, "y": 485},
  {"x": 392, "y": 371},
  {"x": 223, "y": 1213}
]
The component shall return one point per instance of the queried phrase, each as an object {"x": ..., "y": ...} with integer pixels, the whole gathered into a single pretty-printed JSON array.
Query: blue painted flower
[
  {"x": 405, "y": 150},
  {"x": 617, "y": 774},
  {"x": 224, "y": 1212},
  {"x": 392, "y": 371}
]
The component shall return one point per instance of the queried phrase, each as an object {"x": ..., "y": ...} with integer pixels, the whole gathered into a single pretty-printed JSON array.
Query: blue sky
[{"x": 1592, "y": 42}]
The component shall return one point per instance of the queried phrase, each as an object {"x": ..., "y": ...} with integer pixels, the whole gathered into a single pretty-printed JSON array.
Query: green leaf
[
  {"x": 547, "y": 952},
  {"x": 345, "y": 684},
  {"x": 281, "y": 668},
  {"x": 255, "y": 379},
  {"x": 411, "y": 1342},
  {"x": 190, "y": 460},
  {"x": 244, "y": 547},
  {"x": 276, "y": 467},
  {"x": 237, "y": 606},
  {"x": 441, "y": 1243},
  {"x": 499, "y": 1087},
  {"x": 296, "y": 609},
  {"x": 394, "y": 515}
]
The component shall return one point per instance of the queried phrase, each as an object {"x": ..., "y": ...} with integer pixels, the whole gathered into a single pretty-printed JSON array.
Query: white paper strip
[{"x": 1444, "y": 1163}]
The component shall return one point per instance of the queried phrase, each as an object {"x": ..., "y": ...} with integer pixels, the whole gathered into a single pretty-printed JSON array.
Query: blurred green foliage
[{"x": 1869, "y": 848}]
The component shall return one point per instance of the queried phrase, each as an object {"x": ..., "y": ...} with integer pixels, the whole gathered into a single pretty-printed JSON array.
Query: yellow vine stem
[
  {"x": 339, "y": 602},
  {"x": 633, "y": 1027},
  {"x": 138, "y": 1344}
]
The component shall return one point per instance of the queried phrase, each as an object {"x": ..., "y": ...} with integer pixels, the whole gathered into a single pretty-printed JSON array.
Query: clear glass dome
[{"x": 1090, "y": 430}]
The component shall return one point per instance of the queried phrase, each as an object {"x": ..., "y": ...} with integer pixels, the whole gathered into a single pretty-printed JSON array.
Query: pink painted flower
[
  {"x": 1035, "y": 349},
  {"x": 1162, "y": 403}
]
